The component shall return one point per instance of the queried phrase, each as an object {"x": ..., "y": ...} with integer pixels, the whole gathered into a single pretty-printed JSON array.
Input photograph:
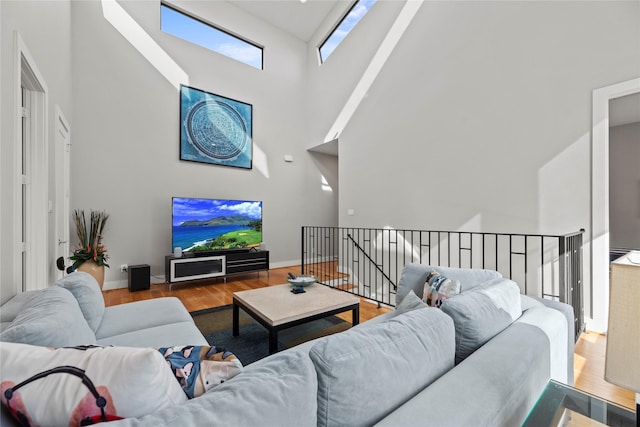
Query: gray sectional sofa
[
  {"x": 416, "y": 365},
  {"x": 72, "y": 312}
]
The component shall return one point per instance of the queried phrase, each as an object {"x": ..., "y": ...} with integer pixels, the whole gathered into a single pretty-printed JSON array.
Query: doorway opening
[{"x": 600, "y": 243}]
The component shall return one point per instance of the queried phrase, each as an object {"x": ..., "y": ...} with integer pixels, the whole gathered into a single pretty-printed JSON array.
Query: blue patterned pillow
[{"x": 438, "y": 288}]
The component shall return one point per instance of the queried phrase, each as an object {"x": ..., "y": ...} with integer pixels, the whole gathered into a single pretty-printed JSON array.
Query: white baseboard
[
  {"x": 115, "y": 284},
  {"x": 293, "y": 263}
]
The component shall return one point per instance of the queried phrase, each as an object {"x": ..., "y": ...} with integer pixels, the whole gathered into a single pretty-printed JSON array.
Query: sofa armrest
[
  {"x": 496, "y": 386},
  {"x": 568, "y": 313}
]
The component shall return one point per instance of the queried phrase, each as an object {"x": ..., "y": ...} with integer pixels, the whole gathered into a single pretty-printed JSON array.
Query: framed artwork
[{"x": 215, "y": 129}]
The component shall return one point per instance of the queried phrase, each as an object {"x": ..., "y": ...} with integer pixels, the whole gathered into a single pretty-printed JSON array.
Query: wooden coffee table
[{"x": 277, "y": 308}]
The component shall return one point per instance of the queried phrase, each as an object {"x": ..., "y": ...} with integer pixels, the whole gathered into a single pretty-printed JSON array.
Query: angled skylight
[
  {"x": 343, "y": 28},
  {"x": 206, "y": 35}
]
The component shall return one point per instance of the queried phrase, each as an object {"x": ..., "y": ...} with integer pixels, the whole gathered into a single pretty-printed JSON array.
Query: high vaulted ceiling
[
  {"x": 293, "y": 16},
  {"x": 302, "y": 19}
]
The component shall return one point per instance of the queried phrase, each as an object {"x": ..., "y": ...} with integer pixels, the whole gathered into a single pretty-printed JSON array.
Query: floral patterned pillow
[{"x": 200, "y": 368}]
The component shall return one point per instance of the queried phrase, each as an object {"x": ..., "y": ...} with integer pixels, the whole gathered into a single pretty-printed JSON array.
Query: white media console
[{"x": 218, "y": 264}]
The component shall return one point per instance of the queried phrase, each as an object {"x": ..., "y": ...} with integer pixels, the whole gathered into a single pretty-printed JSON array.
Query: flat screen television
[{"x": 200, "y": 226}]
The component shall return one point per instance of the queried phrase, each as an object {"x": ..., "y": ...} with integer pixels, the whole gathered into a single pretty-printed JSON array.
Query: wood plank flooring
[{"x": 588, "y": 356}]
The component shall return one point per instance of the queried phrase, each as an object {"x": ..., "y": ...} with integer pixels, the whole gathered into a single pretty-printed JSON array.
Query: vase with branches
[{"x": 90, "y": 247}]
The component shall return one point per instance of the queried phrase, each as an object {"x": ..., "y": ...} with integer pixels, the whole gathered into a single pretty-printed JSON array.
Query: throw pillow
[
  {"x": 482, "y": 313},
  {"x": 52, "y": 318},
  {"x": 71, "y": 386},
  {"x": 409, "y": 303},
  {"x": 200, "y": 368},
  {"x": 412, "y": 279},
  {"x": 87, "y": 292},
  {"x": 438, "y": 288}
]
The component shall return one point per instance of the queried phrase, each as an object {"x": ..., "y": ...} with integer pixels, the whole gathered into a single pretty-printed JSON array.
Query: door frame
[
  {"x": 27, "y": 74},
  {"x": 600, "y": 199}
]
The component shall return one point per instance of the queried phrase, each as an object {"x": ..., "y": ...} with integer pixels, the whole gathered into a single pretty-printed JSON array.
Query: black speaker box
[{"x": 139, "y": 277}]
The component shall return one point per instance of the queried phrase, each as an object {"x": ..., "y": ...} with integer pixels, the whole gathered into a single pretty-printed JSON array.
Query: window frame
[
  {"x": 215, "y": 27},
  {"x": 333, "y": 30}
]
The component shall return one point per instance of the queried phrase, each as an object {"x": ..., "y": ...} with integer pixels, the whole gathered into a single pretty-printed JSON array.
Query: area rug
[{"x": 253, "y": 342}]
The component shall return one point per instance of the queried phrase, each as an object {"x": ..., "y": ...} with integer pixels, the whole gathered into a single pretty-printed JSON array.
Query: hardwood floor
[
  {"x": 588, "y": 357},
  {"x": 207, "y": 293},
  {"x": 588, "y": 362}
]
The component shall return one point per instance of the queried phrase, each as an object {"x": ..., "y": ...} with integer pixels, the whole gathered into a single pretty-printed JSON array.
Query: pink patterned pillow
[{"x": 72, "y": 385}]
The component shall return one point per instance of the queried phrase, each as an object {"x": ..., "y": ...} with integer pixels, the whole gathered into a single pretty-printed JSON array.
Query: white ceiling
[{"x": 293, "y": 16}]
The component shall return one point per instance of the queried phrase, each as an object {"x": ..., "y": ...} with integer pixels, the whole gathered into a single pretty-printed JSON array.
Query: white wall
[
  {"x": 472, "y": 118},
  {"x": 331, "y": 84},
  {"x": 126, "y": 131},
  {"x": 624, "y": 185},
  {"x": 45, "y": 28},
  {"x": 483, "y": 112}
]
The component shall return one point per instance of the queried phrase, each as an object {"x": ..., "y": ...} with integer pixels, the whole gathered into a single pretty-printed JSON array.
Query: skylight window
[
  {"x": 206, "y": 35},
  {"x": 343, "y": 28}
]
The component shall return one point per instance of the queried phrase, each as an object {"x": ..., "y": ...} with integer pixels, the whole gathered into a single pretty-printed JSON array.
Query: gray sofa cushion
[
  {"x": 409, "y": 303},
  {"x": 414, "y": 275},
  {"x": 124, "y": 318},
  {"x": 277, "y": 391},
  {"x": 51, "y": 317},
  {"x": 367, "y": 372},
  {"x": 86, "y": 290},
  {"x": 14, "y": 306},
  {"x": 482, "y": 313},
  {"x": 412, "y": 279},
  {"x": 170, "y": 335}
]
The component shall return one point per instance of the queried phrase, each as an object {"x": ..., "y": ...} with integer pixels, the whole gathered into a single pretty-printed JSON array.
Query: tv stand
[{"x": 221, "y": 263}]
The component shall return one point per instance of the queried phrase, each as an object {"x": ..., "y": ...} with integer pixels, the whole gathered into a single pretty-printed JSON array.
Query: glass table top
[{"x": 561, "y": 405}]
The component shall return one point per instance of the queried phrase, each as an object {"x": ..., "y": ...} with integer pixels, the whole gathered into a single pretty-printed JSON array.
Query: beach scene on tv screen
[{"x": 210, "y": 224}]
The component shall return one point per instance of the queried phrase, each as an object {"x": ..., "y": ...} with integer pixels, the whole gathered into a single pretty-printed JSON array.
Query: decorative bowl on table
[{"x": 302, "y": 281}]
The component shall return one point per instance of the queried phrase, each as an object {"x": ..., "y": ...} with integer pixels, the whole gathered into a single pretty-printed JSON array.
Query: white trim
[
  {"x": 62, "y": 189},
  {"x": 600, "y": 199},
  {"x": 2, "y": 196},
  {"x": 36, "y": 268}
]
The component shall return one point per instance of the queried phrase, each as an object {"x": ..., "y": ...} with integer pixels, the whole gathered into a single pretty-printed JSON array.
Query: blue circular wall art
[{"x": 215, "y": 129}]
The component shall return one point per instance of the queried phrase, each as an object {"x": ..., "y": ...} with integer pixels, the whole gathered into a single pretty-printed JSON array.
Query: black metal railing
[{"x": 368, "y": 262}]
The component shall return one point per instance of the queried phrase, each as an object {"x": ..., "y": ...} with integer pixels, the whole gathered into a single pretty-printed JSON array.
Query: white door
[{"x": 63, "y": 188}]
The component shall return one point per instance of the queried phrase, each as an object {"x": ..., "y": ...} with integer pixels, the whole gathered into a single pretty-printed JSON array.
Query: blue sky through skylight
[
  {"x": 205, "y": 35},
  {"x": 347, "y": 24}
]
